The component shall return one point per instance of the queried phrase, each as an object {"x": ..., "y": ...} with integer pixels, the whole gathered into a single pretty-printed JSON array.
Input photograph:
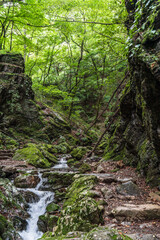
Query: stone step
[
  {"x": 137, "y": 212},
  {"x": 5, "y": 157},
  {"x": 6, "y": 154},
  {"x": 144, "y": 236}
]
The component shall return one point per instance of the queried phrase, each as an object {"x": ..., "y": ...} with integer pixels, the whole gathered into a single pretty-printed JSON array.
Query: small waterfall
[
  {"x": 62, "y": 163},
  {"x": 37, "y": 209}
]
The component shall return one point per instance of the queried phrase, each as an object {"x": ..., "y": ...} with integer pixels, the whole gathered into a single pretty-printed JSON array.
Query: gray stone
[
  {"x": 143, "y": 237},
  {"x": 138, "y": 212},
  {"x": 128, "y": 188}
]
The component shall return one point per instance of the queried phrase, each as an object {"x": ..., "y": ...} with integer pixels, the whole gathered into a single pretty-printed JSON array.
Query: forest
[{"x": 79, "y": 119}]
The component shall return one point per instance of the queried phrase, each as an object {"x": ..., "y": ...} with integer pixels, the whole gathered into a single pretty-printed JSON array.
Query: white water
[
  {"x": 35, "y": 210},
  {"x": 62, "y": 163},
  {"x": 38, "y": 208}
]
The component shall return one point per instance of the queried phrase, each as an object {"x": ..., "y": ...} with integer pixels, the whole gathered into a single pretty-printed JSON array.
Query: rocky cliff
[
  {"x": 21, "y": 117},
  {"x": 136, "y": 137}
]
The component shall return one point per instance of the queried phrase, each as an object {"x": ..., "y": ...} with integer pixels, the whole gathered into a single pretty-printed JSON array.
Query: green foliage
[{"x": 74, "y": 63}]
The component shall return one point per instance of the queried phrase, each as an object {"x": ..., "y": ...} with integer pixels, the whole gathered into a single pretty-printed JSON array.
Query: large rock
[
  {"x": 26, "y": 181},
  {"x": 80, "y": 211},
  {"x": 103, "y": 233},
  {"x": 16, "y": 101},
  {"x": 128, "y": 188},
  {"x": 137, "y": 212},
  {"x": 36, "y": 155}
]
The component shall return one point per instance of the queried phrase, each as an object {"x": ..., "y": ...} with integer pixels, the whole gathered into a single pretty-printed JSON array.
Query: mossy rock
[
  {"x": 46, "y": 222},
  {"x": 58, "y": 180},
  {"x": 104, "y": 233},
  {"x": 51, "y": 207},
  {"x": 80, "y": 211},
  {"x": 3, "y": 224},
  {"x": 78, "y": 152},
  {"x": 85, "y": 168},
  {"x": 35, "y": 155}
]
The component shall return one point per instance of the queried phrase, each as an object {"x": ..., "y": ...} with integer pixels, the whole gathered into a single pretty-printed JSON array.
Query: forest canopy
[{"x": 74, "y": 50}]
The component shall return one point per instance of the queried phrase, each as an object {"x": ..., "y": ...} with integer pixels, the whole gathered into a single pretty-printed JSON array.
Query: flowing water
[{"x": 38, "y": 208}]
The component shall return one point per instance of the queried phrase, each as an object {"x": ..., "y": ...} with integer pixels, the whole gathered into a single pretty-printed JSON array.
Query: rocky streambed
[{"x": 58, "y": 203}]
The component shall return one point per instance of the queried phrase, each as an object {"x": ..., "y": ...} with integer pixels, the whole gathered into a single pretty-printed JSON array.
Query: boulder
[
  {"x": 30, "y": 197},
  {"x": 26, "y": 181},
  {"x": 80, "y": 211},
  {"x": 137, "y": 212},
  {"x": 36, "y": 155},
  {"x": 128, "y": 188}
]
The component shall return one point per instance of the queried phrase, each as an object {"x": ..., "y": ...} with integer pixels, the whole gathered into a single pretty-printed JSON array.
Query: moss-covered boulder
[
  {"x": 36, "y": 155},
  {"x": 52, "y": 207},
  {"x": 80, "y": 211},
  {"x": 99, "y": 233},
  {"x": 46, "y": 222},
  {"x": 57, "y": 180},
  {"x": 78, "y": 152},
  {"x": 12, "y": 202}
]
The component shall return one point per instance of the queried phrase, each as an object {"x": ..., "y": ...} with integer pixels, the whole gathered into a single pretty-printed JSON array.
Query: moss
[
  {"x": 51, "y": 207},
  {"x": 85, "y": 168},
  {"x": 80, "y": 211},
  {"x": 72, "y": 141},
  {"x": 32, "y": 155},
  {"x": 78, "y": 152},
  {"x": 3, "y": 224}
]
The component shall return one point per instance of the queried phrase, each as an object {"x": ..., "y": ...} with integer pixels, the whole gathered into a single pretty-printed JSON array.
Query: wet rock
[
  {"x": 19, "y": 223},
  {"x": 46, "y": 222},
  {"x": 57, "y": 180},
  {"x": 137, "y": 212},
  {"x": 128, "y": 188},
  {"x": 26, "y": 181},
  {"x": 30, "y": 197}
]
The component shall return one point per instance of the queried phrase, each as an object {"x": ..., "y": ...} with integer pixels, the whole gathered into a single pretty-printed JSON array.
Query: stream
[{"x": 38, "y": 208}]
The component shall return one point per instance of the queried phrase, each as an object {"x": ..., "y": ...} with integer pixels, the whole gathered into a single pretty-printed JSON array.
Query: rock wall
[
  {"x": 16, "y": 96},
  {"x": 20, "y": 116},
  {"x": 136, "y": 137}
]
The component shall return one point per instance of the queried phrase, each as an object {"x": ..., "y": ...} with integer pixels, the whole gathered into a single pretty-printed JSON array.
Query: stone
[
  {"x": 46, "y": 222},
  {"x": 128, "y": 188},
  {"x": 80, "y": 211},
  {"x": 154, "y": 196},
  {"x": 137, "y": 212},
  {"x": 19, "y": 223},
  {"x": 36, "y": 155},
  {"x": 103, "y": 233},
  {"x": 144, "y": 236},
  {"x": 100, "y": 169},
  {"x": 107, "y": 193},
  {"x": 26, "y": 181},
  {"x": 30, "y": 197},
  {"x": 107, "y": 178}
]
